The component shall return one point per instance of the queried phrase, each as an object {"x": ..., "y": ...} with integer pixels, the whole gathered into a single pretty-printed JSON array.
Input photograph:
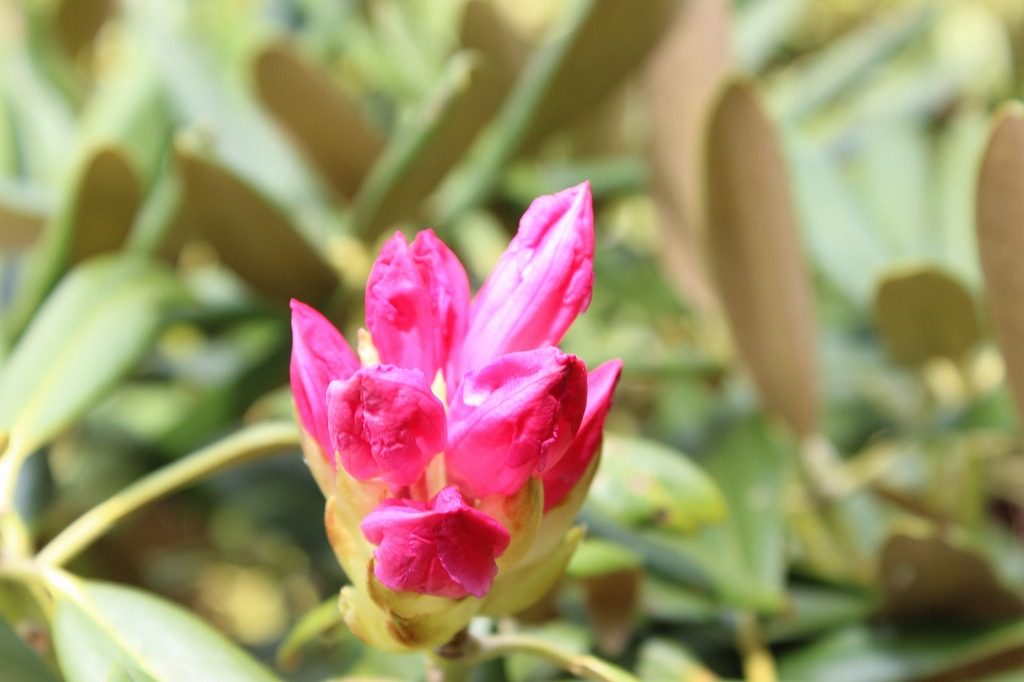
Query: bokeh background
[{"x": 854, "y": 512}]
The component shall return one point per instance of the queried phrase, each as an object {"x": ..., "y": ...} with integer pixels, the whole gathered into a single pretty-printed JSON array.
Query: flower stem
[
  {"x": 758, "y": 665},
  {"x": 477, "y": 651},
  {"x": 242, "y": 446}
]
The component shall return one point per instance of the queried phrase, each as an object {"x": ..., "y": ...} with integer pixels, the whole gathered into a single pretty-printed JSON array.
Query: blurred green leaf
[
  {"x": 763, "y": 26},
  {"x": 664, "y": 659},
  {"x": 842, "y": 64},
  {"x": 20, "y": 663},
  {"x": 103, "y": 630},
  {"x": 883, "y": 654},
  {"x": 313, "y": 625},
  {"x": 91, "y": 331},
  {"x": 745, "y": 555},
  {"x": 643, "y": 483},
  {"x": 840, "y": 238},
  {"x": 428, "y": 145}
]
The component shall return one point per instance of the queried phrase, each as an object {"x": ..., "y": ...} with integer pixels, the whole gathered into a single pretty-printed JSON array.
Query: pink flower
[
  {"x": 319, "y": 355},
  {"x": 417, "y": 303},
  {"x": 513, "y": 419},
  {"x": 443, "y": 547},
  {"x": 384, "y": 421},
  {"x": 469, "y": 403},
  {"x": 563, "y": 476},
  {"x": 542, "y": 282}
]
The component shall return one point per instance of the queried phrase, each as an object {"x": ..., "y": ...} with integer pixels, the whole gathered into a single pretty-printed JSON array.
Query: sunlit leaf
[
  {"x": 417, "y": 159},
  {"x": 642, "y": 483},
  {"x": 91, "y": 331},
  {"x": 863, "y": 654},
  {"x": 103, "y": 631}
]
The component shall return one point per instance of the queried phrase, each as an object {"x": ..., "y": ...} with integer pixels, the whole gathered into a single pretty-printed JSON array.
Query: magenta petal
[
  {"x": 384, "y": 421},
  {"x": 319, "y": 355},
  {"x": 542, "y": 282},
  {"x": 443, "y": 547},
  {"x": 563, "y": 476},
  {"x": 514, "y": 419},
  {"x": 417, "y": 303}
]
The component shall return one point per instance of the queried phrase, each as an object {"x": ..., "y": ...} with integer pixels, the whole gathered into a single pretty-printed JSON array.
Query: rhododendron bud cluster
[{"x": 456, "y": 446}]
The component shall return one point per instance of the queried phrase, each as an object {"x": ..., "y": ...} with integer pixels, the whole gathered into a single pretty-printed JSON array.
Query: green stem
[
  {"x": 14, "y": 536},
  {"x": 584, "y": 666},
  {"x": 245, "y": 445},
  {"x": 758, "y": 664}
]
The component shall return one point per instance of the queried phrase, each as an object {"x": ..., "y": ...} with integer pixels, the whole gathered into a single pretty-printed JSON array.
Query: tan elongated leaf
[
  {"x": 322, "y": 118},
  {"x": 684, "y": 75},
  {"x": 108, "y": 200},
  {"x": 19, "y": 227},
  {"x": 416, "y": 160},
  {"x": 76, "y": 23},
  {"x": 615, "y": 38},
  {"x": 485, "y": 30},
  {"x": 924, "y": 313},
  {"x": 252, "y": 236},
  {"x": 999, "y": 216},
  {"x": 756, "y": 259}
]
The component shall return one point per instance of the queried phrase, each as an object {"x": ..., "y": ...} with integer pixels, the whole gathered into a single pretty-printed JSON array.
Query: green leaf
[
  {"x": 863, "y": 654},
  {"x": 643, "y": 483},
  {"x": 746, "y": 554},
  {"x": 104, "y": 631},
  {"x": 316, "y": 623},
  {"x": 663, "y": 659},
  {"x": 845, "y": 62},
  {"x": 432, "y": 141},
  {"x": 762, "y": 27},
  {"x": 20, "y": 663},
  {"x": 90, "y": 332}
]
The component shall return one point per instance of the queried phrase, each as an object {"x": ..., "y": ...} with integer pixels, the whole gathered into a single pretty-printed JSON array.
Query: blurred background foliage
[{"x": 789, "y": 271}]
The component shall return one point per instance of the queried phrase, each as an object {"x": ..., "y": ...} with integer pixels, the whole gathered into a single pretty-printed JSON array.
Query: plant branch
[
  {"x": 758, "y": 665},
  {"x": 585, "y": 666},
  {"x": 243, "y": 446}
]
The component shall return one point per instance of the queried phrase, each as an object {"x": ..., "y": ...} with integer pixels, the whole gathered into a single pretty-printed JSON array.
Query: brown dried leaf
[
  {"x": 252, "y": 236},
  {"x": 999, "y": 216},
  {"x": 107, "y": 200},
  {"x": 756, "y": 258},
  {"x": 684, "y": 75},
  {"x": 931, "y": 577},
  {"x": 320, "y": 117},
  {"x": 616, "y": 38},
  {"x": 924, "y": 313}
]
